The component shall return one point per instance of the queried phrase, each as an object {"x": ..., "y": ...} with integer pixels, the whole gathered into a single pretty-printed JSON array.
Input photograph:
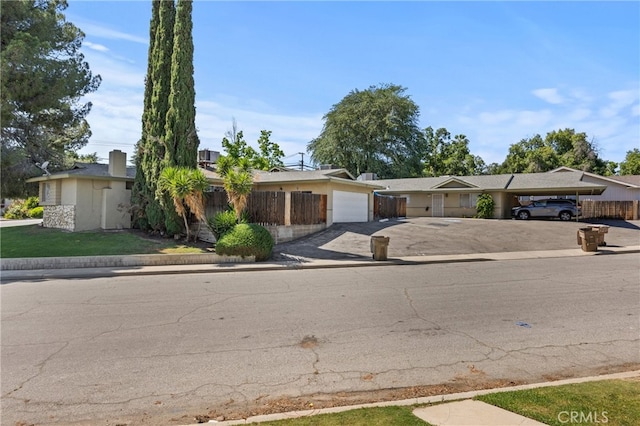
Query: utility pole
[{"x": 301, "y": 161}]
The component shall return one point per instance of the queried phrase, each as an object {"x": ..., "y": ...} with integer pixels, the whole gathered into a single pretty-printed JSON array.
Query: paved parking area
[{"x": 445, "y": 236}]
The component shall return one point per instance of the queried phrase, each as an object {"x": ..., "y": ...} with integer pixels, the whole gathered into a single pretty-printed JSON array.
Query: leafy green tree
[
  {"x": 372, "y": 130},
  {"x": 562, "y": 147},
  {"x": 185, "y": 188},
  {"x": 43, "y": 77},
  {"x": 576, "y": 151},
  {"x": 530, "y": 155},
  {"x": 269, "y": 155},
  {"x": 150, "y": 149},
  {"x": 180, "y": 139},
  {"x": 631, "y": 163},
  {"x": 445, "y": 156}
]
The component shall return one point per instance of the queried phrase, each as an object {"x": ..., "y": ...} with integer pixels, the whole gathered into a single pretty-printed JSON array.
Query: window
[{"x": 468, "y": 200}]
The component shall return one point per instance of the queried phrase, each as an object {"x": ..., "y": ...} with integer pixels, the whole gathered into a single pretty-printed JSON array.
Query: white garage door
[{"x": 350, "y": 207}]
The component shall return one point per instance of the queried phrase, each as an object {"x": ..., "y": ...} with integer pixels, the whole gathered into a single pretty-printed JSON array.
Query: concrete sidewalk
[
  {"x": 449, "y": 410},
  {"x": 181, "y": 266}
]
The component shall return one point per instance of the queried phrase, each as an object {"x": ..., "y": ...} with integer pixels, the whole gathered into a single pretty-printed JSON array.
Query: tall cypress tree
[
  {"x": 151, "y": 149},
  {"x": 140, "y": 195},
  {"x": 181, "y": 139}
]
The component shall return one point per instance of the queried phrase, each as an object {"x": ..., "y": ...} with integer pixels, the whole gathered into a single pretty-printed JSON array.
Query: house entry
[{"x": 437, "y": 205}]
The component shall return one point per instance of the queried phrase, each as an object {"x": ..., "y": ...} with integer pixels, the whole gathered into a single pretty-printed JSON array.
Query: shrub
[
  {"x": 16, "y": 210},
  {"x": 36, "y": 213},
  {"x": 484, "y": 206},
  {"x": 221, "y": 223},
  {"x": 31, "y": 203},
  {"x": 246, "y": 239}
]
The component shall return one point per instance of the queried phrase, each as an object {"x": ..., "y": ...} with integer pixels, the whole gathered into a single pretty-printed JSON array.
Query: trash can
[
  {"x": 379, "y": 247},
  {"x": 588, "y": 239},
  {"x": 601, "y": 230}
]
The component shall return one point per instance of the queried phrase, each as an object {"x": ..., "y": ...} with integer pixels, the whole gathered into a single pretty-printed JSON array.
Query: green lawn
[
  {"x": 35, "y": 241},
  {"x": 384, "y": 416},
  {"x": 611, "y": 402}
]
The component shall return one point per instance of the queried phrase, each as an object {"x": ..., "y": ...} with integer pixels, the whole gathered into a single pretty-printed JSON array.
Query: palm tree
[
  {"x": 237, "y": 181},
  {"x": 185, "y": 186}
]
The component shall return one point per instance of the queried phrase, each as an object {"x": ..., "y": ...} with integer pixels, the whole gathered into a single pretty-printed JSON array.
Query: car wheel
[
  {"x": 565, "y": 216},
  {"x": 524, "y": 215}
]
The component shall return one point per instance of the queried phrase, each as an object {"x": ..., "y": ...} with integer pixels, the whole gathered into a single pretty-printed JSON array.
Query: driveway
[{"x": 426, "y": 236}]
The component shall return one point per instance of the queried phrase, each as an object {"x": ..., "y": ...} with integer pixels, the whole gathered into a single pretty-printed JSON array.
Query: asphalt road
[{"x": 163, "y": 349}]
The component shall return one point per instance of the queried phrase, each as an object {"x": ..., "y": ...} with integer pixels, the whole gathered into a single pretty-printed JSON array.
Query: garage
[{"x": 350, "y": 207}]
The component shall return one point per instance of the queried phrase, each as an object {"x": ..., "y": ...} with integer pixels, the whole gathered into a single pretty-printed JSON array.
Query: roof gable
[{"x": 454, "y": 182}]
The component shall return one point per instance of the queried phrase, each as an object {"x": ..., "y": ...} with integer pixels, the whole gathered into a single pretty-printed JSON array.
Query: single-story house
[
  {"x": 89, "y": 196},
  {"x": 98, "y": 196},
  {"x": 456, "y": 196}
]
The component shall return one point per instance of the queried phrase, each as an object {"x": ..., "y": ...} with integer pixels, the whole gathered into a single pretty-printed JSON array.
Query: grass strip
[
  {"x": 382, "y": 416},
  {"x": 610, "y": 402}
]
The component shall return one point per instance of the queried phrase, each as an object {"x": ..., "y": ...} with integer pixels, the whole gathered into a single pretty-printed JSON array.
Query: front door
[{"x": 437, "y": 208}]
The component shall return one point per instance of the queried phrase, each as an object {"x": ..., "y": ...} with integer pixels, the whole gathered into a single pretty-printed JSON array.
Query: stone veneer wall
[{"x": 61, "y": 217}]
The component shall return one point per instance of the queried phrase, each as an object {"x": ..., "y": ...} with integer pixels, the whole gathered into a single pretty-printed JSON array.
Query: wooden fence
[
  {"x": 626, "y": 210},
  {"x": 266, "y": 207},
  {"x": 308, "y": 209},
  {"x": 387, "y": 207},
  {"x": 269, "y": 207}
]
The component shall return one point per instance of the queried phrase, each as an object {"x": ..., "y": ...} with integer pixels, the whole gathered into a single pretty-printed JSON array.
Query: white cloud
[
  {"x": 101, "y": 31},
  {"x": 549, "y": 95},
  {"x": 95, "y": 46}
]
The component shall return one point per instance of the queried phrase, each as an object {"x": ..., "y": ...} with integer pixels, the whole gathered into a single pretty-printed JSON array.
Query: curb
[
  {"x": 191, "y": 264},
  {"x": 419, "y": 401}
]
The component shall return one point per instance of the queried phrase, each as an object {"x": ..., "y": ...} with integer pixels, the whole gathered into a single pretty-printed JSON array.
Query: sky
[{"x": 497, "y": 72}]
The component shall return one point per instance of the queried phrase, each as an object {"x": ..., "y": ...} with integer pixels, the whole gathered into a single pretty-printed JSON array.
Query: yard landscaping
[
  {"x": 36, "y": 241},
  {"x": 611, "y": 402}
]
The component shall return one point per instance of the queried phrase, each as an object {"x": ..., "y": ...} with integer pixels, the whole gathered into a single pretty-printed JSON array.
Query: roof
[
  {"x": 335, "y": 175},
  {"x": 520, "y": 184},
  {"x": 632, "y": 181},
  {"x": 86, "y": 170},
  {"x": 448, "y": 183},
  {"x": 568, "y": 182}
]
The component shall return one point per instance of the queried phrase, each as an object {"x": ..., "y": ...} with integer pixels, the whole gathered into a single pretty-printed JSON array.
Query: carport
[{"x": 561, "y": 184}]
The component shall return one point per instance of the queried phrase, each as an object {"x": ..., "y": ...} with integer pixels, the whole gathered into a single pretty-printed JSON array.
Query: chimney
[{"x": 117, "y": 163}]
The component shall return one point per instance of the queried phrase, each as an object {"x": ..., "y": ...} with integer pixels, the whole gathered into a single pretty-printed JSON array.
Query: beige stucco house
[
  {"x": 456, "y": 196},
  {"x": 89, "y": 196},
  {"x": 98, "y": 196}
]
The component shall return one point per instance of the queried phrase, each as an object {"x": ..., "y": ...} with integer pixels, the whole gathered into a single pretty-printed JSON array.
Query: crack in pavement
[{"x": 40, "y": 367}]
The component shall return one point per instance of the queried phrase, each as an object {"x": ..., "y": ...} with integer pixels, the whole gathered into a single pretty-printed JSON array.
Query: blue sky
[{"x": 497, "y": 72}]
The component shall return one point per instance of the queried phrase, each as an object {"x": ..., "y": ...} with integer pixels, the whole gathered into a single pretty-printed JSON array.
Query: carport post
[{"x": 577, "y": 204}]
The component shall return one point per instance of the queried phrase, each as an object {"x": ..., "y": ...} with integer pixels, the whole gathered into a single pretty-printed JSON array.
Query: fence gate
[{"x": 387, "y": 206}]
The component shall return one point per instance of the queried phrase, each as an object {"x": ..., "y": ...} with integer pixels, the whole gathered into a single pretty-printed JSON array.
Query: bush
[
  {"x": 246, "y": 239},
  {"x": 221, "y": 223},
  {"x": 36, "y": 213},
  {"x": 31, "y": 203},
  {"x": 16, "y": 210},
  {"x": 484, "y": 206}
]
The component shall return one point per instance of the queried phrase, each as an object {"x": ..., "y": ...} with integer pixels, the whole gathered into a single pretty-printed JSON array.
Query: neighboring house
[
  {"x": 619, "y": 188},
  {"x": 456, "y": 196},
  {"x": 89, "y": 196},
  {"x": 348, "y": 200}
]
